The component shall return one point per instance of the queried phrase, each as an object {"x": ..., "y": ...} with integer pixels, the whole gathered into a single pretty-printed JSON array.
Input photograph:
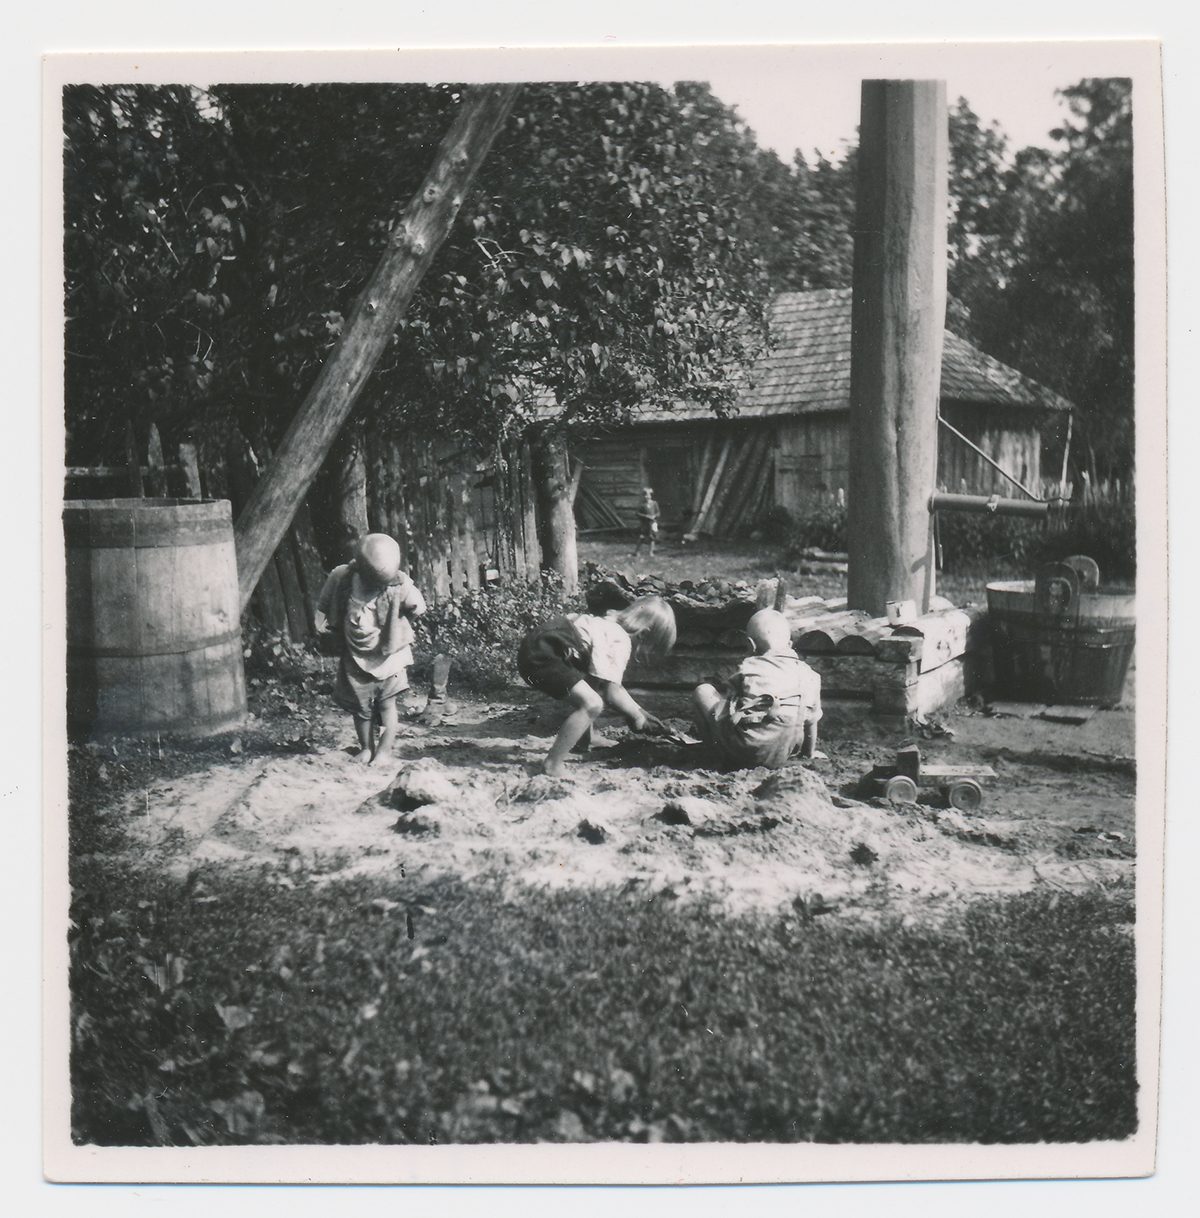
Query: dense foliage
[
  {"x": 1047, "y": 279},
  {"x": 1040, "y": 254},
  {"x": 600, "y": 262}
]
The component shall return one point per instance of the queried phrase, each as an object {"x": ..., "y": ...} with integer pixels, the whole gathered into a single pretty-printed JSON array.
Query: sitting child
[
  {"x": 580, "y": 659},
  {"x": 773, "y": 704},
  {"x": 370, "y": 604}
]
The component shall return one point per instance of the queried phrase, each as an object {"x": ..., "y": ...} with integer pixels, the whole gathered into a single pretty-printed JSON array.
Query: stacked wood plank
[
  {"x": 286, "y": 596},
  {"x": 594, "y": 515},
  {"x": 734, "y": 486}
]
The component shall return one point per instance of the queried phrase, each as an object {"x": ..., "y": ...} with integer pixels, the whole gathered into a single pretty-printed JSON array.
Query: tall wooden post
[{"x": 896, "y": 346}]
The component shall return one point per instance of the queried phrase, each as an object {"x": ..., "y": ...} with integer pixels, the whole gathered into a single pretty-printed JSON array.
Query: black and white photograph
[{"x": 611, "y": 614}]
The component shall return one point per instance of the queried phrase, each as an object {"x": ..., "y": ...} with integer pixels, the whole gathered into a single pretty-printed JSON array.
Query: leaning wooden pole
[
  {"x": 414, "y": 241},
  {"x": 899, "y": 316}
]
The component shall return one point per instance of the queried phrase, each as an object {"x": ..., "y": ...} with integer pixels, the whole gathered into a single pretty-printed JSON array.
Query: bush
[
  {"x": 482, "y": 630},
  {"x": 978, "y": 544},
  {"x": 819, "y": 528},
  {"x": 1104, "y": 530}
]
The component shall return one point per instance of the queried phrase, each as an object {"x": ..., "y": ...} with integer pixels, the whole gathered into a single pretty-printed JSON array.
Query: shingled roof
[{"x": 808, "y": 368}]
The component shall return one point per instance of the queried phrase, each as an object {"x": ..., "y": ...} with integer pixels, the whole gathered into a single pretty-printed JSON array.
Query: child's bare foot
[
  {"x": 362, "y": 757},
  {"x": 379, "y": 758},
  {"x": 551, "y": 769}
]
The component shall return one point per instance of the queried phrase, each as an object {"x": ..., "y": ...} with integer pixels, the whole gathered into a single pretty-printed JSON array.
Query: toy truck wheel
[
  {"x": 966, "y": 795},
  {"x": 901, "y": 790}
]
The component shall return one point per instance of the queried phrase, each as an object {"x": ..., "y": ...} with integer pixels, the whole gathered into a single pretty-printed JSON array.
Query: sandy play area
[{"x": 643, "y": 815}]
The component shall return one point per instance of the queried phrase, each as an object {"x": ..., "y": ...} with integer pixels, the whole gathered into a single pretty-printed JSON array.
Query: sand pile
[{"x": 640, "y": 816}]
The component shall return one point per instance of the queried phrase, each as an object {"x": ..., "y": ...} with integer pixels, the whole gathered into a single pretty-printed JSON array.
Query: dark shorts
[
  {"x": 362, "y": 694},
  {"x": 553, "y": 658}
]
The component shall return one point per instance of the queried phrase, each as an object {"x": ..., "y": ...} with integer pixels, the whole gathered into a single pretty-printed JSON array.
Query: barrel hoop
[
  {"x": 122, "y": 653},
  {"x": 95, "y": 533},
  {"x": 1118, "y": 636}
]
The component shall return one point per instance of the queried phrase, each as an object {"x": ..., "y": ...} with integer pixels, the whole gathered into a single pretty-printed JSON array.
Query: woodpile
[
  {"x": 596, "y": 516},
  {"x": 734, "y": 486}
]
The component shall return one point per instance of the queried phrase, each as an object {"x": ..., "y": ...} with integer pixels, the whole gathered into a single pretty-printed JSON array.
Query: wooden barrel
[
  {"x": 1076, "y": 658},
  {"x": 153, "y": 630}
]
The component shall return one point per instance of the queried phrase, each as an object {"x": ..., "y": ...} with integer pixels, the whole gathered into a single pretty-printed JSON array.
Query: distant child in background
[
  {"x": 370, "y": 604},
  {"x": 773, "y": 704},
  {"x": 580, "y": 659},
  {"x": 648, "y": 515}
]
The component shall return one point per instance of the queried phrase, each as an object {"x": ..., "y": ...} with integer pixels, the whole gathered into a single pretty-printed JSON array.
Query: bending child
[
  {"x": 773, "y": 704},
  {"x": 580, "y": 659},
  {"x": 370, "y": 604}
]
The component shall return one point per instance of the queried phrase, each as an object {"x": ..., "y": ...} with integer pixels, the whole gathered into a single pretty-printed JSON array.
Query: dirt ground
[{"x": 286, "y": 801}]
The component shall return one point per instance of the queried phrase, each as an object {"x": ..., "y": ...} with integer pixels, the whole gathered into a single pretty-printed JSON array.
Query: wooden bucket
[
  {"x": 1058, "y": 640},
  {"x": 154, "y": 639}
]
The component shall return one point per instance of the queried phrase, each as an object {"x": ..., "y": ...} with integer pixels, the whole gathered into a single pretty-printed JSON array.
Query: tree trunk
[
  {"x": 369, "y": 328},
  {"x": 556, "y": 531},
  {"x": 351, "y": 491}
]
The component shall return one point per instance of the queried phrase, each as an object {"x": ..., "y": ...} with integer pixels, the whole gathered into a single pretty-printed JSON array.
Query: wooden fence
[{"x": 464, "y": 521}]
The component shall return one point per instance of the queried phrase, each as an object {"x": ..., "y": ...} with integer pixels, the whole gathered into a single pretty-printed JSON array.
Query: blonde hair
[
  {"x": 769, "y": 630},
  {"x": 379, "y": 557},
  {"x": 650, "y": 622}
]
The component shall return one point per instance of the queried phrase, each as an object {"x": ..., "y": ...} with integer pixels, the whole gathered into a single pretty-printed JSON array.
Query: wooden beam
[
  {"x": 710, "y": 490},
  {"x": 898, "y": 320},
  {"x": 133, "y": 466},
  {"x": 191, "y": 470},
  {"x": 156, "y": 466},
  {"x": 414, "y": 241}
]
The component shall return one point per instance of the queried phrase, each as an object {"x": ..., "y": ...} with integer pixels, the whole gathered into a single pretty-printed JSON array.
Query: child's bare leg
[
  {"x": 362, "y": 729},
  {"x": 809, "y": 750},
  {"x": 706, "y": 703},
  {"x": 389, "y": 719},
  {"x": 586, "y": 706}
]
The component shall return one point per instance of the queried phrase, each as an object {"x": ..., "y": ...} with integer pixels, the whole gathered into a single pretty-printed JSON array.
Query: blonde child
[
  {"x": 773, "y": 704},
  {"x": 580, "y": 659},
  {"x": 370, "y": 604}
]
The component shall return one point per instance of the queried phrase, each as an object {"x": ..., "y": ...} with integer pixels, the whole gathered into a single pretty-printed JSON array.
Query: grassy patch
[{"x": 226, "y": 1010}]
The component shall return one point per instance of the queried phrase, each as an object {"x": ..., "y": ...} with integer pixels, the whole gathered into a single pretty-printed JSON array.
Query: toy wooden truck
[{"x": 959, "y": 783}]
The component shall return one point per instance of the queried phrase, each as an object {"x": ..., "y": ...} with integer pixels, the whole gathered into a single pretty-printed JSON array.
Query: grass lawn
[{"x": 271, "y": 1009}]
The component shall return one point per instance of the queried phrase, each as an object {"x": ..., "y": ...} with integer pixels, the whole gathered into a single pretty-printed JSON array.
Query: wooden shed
[{"x": 788, "y": 443}]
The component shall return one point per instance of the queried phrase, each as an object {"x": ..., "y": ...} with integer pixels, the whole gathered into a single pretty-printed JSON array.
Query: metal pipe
[{"x": 989, "y": 504}]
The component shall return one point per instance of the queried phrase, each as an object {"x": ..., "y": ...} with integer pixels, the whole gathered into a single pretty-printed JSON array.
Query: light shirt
[
  {"x": 364, "y": 633},
  {"x": 611, "y": 646}
]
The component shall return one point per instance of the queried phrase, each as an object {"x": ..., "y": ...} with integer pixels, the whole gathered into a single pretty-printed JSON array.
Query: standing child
[
  {"x": 580, "y": 659},
  {"x": 370, "y": 603},
  {"x": 773, "y": 705},
  {"x": 648, "y": 515}
]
